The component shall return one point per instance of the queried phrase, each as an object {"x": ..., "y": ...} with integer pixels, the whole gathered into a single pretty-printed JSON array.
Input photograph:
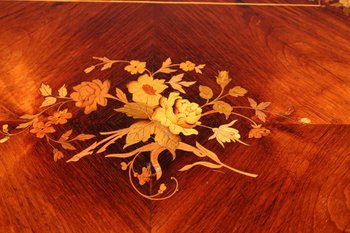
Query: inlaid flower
[
  {"x": 225, "y": 134},
  {"x": 135, "y": 67},
  {"x": 179, "y": 115},
  {"x": 41, "y": 128},
  {"x": 57, "y": 155},
  {"x": 88, "y": 94},
  {"x": 223, "y": 79},
  {"x": 187, "y": 66},
  {"x": 60, "y": 117},
  {"x": 147, "y": 90},
  {"x": 162, "y": 188},
  {"x": 258, "y": 132},
  {"x": 144, "y": 177}
]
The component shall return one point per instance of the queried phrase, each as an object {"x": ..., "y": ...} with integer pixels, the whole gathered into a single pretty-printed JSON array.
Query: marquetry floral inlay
[
  {"x": 342, "y": 4},
  {"x": 162, "y": 113}
]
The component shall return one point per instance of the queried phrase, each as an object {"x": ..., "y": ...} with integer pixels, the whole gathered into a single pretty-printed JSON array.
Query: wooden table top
[{"x": 53, "y": 88}]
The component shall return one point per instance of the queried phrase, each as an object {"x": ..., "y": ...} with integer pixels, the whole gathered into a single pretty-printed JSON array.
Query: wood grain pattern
[
  {"x": 303, "y": 186},
  {"x": 38, "y": 194},
  {"x": 296, "y": 57}
]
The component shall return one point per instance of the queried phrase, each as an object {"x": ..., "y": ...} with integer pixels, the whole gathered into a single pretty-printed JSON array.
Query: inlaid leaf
[
  {"x": 136, "y": 110},
  {"x": 186, "y": 83},
  {"x": 177, "y": 83},
  {"x": 121, "y": 95},
  {"x": 263, "y": 105},
  {"x": 27, "y": 116},
  {"x": 89, "y": 69},
  {"x": 85, "y": 152},
  {"x": 167, "y": 70},
  {"x": 205, "y": 164},
  {"x": 24, "y": 125},
  {"x": 66, "y": 135},
  {"x": 259, "y": 108},
  {"x": 106, "y": 66},
  {"x": 62, "y": 92},
  {"x": 111, "y": 140},
  {"x": 186, "y": 147},
  {"x": 5, "y": 139},
  {"x": 165, "y": 67},
  {"x": 48, "y": 101},
  {"x": 103, "y": 59},
  {"x": 207, "y": 152},
  {"x": 107, "y": 63},
  {"x": 223, "y": 107},
  {"x": 45, "y": 90},
  {"x": 176, "y": 78},
  {"x": 199, "y": 68},
  {"x": 68, "y": 146},
  {"x": 165, "y": 138},
  {"x": 166, "y": 63},
  {"x": 142, "y": 131},
  {"x": 261, "y": 115},
  {"x": 205, "y": 92},
  {"x": 252, "y": 103},
  {"x": 105, "y": 146},
  {"x": 148, "y": 147},
  {"x": 237, "y": 91},
  {"x": 84, "y": 137},
  {"x": 139, "y": 131}
]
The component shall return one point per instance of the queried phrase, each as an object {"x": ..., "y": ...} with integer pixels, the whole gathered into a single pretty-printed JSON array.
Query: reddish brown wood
[
  {"x": 45, "y": 42},
  {"x": 303, "y": 186},
  {"x": 290, "y": 56}
]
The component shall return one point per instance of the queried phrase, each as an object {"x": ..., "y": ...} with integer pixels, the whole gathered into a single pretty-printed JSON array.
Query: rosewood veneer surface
[{"x": 291, "y": 56}]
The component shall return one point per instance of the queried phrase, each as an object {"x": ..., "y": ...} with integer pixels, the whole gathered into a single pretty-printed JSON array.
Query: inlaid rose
[
  {"x": 88, "y": 94},
  {"x": 179, "y": 115}
]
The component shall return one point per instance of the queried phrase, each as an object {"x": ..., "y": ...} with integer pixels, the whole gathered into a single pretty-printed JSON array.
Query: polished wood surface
[
  {"x": 291, "y": 56},
  {"x": 303, "y": 186}
]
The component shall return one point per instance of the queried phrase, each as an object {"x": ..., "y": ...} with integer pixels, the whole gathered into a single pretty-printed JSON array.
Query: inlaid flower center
[{"x": 149, "y": 89}]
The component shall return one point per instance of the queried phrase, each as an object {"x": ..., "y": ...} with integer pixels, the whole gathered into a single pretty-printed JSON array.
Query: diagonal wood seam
[{"x": 154, "y": 67}]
